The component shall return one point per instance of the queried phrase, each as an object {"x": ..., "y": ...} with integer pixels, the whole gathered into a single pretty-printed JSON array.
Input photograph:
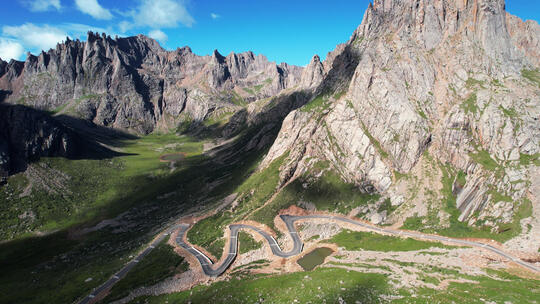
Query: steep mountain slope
[
  {"x": 134, "y": 84},
  {"x": 27, "y": 134},
  {"x": 443, "y": 100}
]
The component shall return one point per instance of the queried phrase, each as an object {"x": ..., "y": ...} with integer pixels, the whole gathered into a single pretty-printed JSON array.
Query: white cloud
[
  {"x": 158, "y": 35},
  {"x": 125, "y": 26},
  {"x": 214, "y": 16},
  {"x": 10, "y": 49},
  {"x": 35, "y": 38},
  {"x": 81, "y": 30},
  {"x": 41, "y": 37},
  {"x": 92, "y": 8},
  {"x": 42, "y": 5},
  {"x": 162, "y": 13}
]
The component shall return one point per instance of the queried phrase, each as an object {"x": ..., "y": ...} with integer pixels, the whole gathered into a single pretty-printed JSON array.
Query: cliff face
[
  {"x": 134, "y": 84},
  {"x": 27, "y": 134},
  {"x": 446, "y": 86}
]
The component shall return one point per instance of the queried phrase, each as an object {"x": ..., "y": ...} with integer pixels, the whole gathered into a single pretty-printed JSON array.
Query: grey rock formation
[
  {"x": 442, "y": 78},
  {"x": 133, "y": 84},
  {"x": 525, "y": 36},
  {"x": 312, "y": 76},
  {"x": 27, "y": 134}
]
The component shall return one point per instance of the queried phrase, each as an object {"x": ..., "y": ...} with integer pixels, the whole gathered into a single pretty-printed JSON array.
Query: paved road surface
[
  {"x": 289, "y": 220},
  {"x": 122, "y": 273},
  {"x": 206, "y": 263}
]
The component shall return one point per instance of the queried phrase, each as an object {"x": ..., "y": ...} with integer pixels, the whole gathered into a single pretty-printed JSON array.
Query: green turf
[
  {"x": 528, "y": 159},
  {"x": 247, "y": 243},
  {"x": 461, "y": 178},
  {"x": 336, "y": 285},
  {"x": 245, "y": 269},
  {"x": 176, "y": 157},
  {"x": 218, "y": 120},
  {"x": 319, "y": 104},
  {"x": 532, "y": 75},
  {"x": 92, "y": 189},
  {"x": 499, "y": 287},
  {"x": 469, "y": 105},
  {"x": 34, "y": 268},
  {"x": 354, "y": 241},
  {"x": 160, "y": 263},
  {"x": 375, "y": 142},
  {"x": 471, "y": 83},
  {"x": 484, "y": 158},
  {"x": 250, "y": 91},
  {"x": 387, "y": 206},
  {"x": 325, "y": 285}
]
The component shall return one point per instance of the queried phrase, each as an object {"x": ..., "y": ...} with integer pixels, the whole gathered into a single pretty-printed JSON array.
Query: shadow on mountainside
[
  {"x": 272, "y": 113},
  {"x": 152, "y": 203},
  {"x": 26, "y": 134},
  {"x": 69, "y": 262}
]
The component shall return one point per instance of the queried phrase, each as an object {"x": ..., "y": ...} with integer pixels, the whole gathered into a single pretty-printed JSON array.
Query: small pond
[
  {"x": 172, "y": 157},
  {"x": 314, "y": 258}
]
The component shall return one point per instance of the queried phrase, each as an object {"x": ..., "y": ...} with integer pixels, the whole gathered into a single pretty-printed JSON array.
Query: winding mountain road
[
  {"x": 233, "y": 245},
  {"x": 289, "y": 221},
  {"x": 211, "y": 270}
]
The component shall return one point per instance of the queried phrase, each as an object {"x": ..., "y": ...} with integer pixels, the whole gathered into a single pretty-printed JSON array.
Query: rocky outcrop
[
  {"x": 525, "y": 36},
  {"x": 312, "y": 76},
  {"x": 27, "y": 134},
  {"x": 419, "y": 77},
  {"x": 134, "y": 84}
]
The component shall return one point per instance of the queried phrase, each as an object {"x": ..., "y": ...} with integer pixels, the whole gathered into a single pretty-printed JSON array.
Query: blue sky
[{"x": 285, "y": 31}]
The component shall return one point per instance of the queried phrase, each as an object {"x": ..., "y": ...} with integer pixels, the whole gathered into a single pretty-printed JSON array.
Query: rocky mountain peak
[
  {"x": 217, "y": 57},
  {"x": 313, "y": 74},
  {"x": 430, "y": 24},
  {"x": 184, "y": 50}
]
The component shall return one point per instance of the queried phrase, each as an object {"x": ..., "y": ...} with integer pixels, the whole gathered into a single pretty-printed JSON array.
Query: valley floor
[{"x": 412, "y": 270}]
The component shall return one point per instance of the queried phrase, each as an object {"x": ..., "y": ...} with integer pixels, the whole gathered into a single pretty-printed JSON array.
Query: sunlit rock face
[{"x": 428, "y": 81}]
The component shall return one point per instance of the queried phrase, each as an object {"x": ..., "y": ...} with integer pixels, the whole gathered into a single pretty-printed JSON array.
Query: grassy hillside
[
  {"x": 320, "y": 286},
  {"x": 57, "y": 193},
  {"x": 338, "y": 285},
  {"x": 148, "y": 194},
  {"x": 160, "y": 264}
]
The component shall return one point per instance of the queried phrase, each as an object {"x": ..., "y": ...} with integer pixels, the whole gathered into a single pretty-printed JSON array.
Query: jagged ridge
[{"x": 134, "y": 84}]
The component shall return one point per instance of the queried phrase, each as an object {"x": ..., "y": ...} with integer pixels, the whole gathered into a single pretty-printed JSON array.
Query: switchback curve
[{"x": 289, "y": 221}]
